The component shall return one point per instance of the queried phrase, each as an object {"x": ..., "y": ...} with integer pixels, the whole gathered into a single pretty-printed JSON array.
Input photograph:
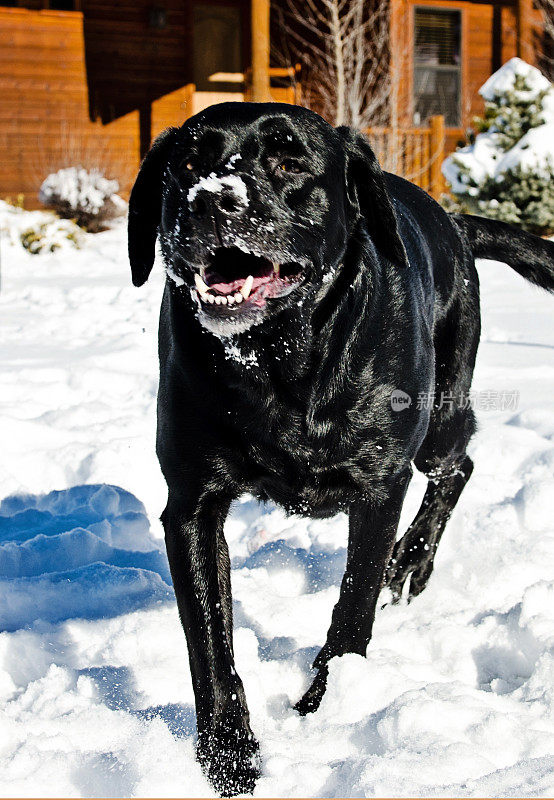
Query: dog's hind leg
[
  {"x": 372, "y": 529},
  {"x": 442, "y": 456},
  {"x": 414, "y": 554}
]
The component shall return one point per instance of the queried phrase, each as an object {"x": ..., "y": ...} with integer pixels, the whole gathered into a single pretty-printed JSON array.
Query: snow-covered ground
[{"x": 456, "y": 695}]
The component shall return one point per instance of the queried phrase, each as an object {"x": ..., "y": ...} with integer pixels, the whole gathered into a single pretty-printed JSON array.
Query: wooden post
[
  {"x": 260, "y": 51},
  {"x": 525, "y": 30},
  {"x": 436, "y": 183},
  {"x": 395, "y": 70},
  {"x": 145, "y": 129}
]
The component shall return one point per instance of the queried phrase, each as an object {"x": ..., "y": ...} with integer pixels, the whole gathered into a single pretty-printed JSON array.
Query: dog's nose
[{"x": 206, "y": 203}]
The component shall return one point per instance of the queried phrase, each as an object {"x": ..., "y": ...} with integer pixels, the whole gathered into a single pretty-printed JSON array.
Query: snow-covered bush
[
  {"x": 37, "y": 231},
  {"x": 507, "y": 173},
  {"x": 50, "y": 235},
  {"x": 85, "y": 196}
]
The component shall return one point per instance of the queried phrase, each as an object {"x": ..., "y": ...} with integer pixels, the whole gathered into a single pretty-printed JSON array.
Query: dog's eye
[
  {"x": 289, "y": 165},
  {"x": 189, "y": 165}
]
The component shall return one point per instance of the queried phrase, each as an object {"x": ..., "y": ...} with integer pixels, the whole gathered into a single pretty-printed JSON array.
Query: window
[{"x": 437, "y": 65}]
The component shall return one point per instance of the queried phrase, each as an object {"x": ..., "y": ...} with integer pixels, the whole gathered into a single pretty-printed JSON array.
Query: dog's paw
[
  {"x": 312, "y": 698},
  {"x": 404, "y": 570},
  {"x": 419, "y": 578},
  {"x": 230, "y": 759}
]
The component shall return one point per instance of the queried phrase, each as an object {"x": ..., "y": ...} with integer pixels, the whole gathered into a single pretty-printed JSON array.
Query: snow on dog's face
[{"x": 253, "y": 210}]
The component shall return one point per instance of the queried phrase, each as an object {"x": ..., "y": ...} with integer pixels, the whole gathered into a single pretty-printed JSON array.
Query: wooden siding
[
  {"x": 130, "y": 63},
  {"x": 172, "y": 109},
  {"x": 93, "y": 90},
  {"x": 45, "y": 103},
  {"x": 44, "y": 109}
]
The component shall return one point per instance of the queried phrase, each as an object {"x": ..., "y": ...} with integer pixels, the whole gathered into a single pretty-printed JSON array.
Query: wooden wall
[
  {"x": 93, "y": 88},
  {"x": 129, "y": 61},
  {"x": 72, "y": 95},
  {"x": 44, "y": 108}
]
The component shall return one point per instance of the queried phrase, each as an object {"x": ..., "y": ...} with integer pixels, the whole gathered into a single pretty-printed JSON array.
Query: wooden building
[
  {"x": 444, "y": 50},
  {"x": 91, "y": 82}
]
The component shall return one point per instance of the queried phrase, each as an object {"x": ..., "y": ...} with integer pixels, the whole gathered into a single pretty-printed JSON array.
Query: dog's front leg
[
  {"x": 372, "y": 531},
  {"x": 199, "y": 562}
]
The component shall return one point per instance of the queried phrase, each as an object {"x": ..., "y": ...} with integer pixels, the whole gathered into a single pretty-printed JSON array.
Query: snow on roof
[{"x": 504, "y": 78}]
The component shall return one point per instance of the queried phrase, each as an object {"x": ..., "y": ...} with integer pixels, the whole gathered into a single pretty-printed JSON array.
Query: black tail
[{"x": 529, "y": 255}]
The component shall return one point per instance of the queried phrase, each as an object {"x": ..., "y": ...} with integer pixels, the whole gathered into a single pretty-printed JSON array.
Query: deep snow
[{"x": 457, "y": 692}]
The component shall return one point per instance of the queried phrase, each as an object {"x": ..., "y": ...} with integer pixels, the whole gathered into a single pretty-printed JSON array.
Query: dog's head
[{"x": 254, "y": 205}]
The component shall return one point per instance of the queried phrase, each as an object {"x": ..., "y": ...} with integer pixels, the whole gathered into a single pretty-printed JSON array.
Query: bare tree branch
[{"x": 344, "y": 48}]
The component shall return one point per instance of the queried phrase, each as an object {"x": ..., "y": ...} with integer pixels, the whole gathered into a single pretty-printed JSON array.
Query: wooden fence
[{"x": 413, "y": 153}]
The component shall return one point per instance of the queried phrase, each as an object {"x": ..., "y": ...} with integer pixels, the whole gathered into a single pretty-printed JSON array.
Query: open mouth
[{"x": 235, "y": 279}]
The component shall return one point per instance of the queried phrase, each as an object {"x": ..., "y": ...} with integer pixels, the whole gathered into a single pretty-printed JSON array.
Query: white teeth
[
  {"x": 223, "y": 300},
  {"x": 246, "y": 287},
  {"x": 276, "y": 267},
  {"x": 200, "y": 285}
]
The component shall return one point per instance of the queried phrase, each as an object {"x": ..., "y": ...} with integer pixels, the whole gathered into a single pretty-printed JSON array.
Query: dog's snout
[
  {"x": 201, "y": 205},
  {"x": 230, "y": 202},
  {"x": 226, "y": 201}
]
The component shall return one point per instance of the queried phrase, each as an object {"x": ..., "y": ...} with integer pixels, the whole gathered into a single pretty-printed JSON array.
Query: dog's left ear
[
  {"x": 367, "y": 192},
  {"x": 145, "y": 208}
]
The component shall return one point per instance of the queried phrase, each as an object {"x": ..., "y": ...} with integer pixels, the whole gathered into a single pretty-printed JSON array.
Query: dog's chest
[
  {"x": 314, "y": 440},
  {"x": 313, "y": 467}
]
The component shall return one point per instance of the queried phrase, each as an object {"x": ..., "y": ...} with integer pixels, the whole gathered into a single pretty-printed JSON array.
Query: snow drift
[{"x": 83, "y": 552}]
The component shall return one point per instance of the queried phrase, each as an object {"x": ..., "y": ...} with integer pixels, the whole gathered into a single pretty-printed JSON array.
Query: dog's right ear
[
  {"x": 367, "y": 190},
  {"x": 145, "y": 206}
]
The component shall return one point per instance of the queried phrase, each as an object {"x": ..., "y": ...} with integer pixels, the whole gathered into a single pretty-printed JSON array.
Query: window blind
[{"x": 437, "y": 65}]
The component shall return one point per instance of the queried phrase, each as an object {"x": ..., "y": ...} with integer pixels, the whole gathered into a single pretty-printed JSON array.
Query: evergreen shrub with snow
[
  {"x": 50, "y": 235},
  {"x": 85, "y": 196},
  {"x": 507, "y": 173},
  {"x": 38, "y": 232}
]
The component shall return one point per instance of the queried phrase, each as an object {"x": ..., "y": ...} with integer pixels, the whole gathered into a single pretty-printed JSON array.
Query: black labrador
[{"x": 310, "y": 301}]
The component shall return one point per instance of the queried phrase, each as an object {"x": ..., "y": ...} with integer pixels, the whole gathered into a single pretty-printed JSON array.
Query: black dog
[{"x": 304, "y": 287}]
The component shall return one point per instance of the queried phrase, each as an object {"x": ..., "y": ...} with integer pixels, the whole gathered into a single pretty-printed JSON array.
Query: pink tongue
[{"x": 235, "y": 286}]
